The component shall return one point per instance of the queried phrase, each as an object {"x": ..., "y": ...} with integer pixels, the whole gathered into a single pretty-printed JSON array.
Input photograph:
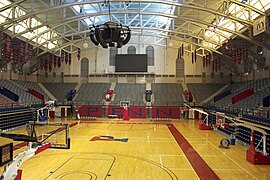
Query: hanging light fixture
[{"x": 110, "y": 34}]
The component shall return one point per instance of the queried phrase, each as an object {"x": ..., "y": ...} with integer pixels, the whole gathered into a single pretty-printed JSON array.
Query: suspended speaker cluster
[{"x": 110, "y": 34}]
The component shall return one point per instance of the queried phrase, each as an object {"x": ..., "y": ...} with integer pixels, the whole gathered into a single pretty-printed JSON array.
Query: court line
[
  {"x": 199, "y": 165},
  {"x": 171, "y": 155},
  {"x": 160, "y": 160},
  {"x": 181, "y": 169},
  {"x": 224, "y": 154}
]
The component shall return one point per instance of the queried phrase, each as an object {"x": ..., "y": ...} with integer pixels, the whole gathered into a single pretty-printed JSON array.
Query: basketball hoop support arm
[{"x": 12, "y": 168}]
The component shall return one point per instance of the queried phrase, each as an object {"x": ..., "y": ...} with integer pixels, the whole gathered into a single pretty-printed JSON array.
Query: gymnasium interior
[{"x": 134, "y": 89}]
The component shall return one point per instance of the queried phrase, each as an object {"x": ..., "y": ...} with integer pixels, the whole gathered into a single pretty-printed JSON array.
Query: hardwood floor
[{"x": 151, "y": 152}]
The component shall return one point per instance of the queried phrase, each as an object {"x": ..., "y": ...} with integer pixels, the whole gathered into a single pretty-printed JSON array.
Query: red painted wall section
[
  {"x": 90, "y": 111},
  {"x": 172, "y": 112}
]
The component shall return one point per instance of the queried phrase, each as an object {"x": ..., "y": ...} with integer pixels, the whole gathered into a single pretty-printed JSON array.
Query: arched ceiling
[{"x": 199, "y": 24}]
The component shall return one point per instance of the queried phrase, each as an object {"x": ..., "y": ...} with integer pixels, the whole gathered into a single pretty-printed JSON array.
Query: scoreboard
[{"x": 6, "y": 154}]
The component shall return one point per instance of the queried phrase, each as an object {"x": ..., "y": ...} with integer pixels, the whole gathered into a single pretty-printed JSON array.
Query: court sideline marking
[
  {"x": 199, "y": 165},
  {"x": 223, "y": 154}
]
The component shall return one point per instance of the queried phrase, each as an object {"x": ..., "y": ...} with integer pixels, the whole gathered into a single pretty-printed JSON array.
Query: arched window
[
  {"x": 113, "y": 52},
  {"x": 150, "y": 55},
  {"x": 180, "y": 68},
  {"x": 131, "y": 50},
  {"x": 84, "y": 67}
]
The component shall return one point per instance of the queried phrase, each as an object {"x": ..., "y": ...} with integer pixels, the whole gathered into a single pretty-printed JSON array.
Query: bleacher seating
[
  {"x": 31, "y": 85},
  {"x": 167, "y": 94},
  {"x": 24, "y": 96},
  {"x": 129, "y": 92},
  {"x": 92, "y": 93},
  {"x": 59, "y": 90},
  {"x": 203, "y": 91},
  {"x": 4, "y": 102},
  {"x": 261, "y": 89},
  {"x": 15, "y": 117}
]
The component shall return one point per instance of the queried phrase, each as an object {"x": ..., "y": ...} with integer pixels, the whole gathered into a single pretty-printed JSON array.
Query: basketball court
[{"x": 140, "y": 150}]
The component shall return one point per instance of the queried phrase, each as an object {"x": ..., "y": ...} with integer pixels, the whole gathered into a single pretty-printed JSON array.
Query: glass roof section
[
  {"x": 25, "y": 24},
  {"x": 239, "y": 12},
  {"x": 144, "y": 18},
  {"x": 133, "y": 14}
]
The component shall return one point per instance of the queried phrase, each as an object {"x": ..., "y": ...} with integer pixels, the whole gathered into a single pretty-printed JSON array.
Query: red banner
[
  {"x": 66, "y": 57},
  {"x": 245, "y": 52},
  {"x": 62, "y": 55},
  {"x": 30, "y": 51},
  {"x": 50, "y": 63},
  {"x": 234, "y": 56},
  {"x": 79, "y": 54},
  {"x": 59, "y": 62},
  {"x": 45, "y": 61},
  {"x": 182, "y": 50},
  {"x": 54, "y": 61},
  {"x": 15, "y": 56},
  {"x": 230, "y": 47},
  {"x": 22, "y": 52},
  {"x": 69, "y": 58},
  {"x": 239, "y": 55},
  {"x": 195, "y": 56},
  {"x": 7, "y": 48},
  {"x": 41, "y": 63},
  {"x": 224, "y": 46}
]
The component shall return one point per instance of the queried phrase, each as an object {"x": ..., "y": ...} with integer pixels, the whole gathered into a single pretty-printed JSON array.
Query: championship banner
[
  {"x": 15, "y": 56},
  {"x": 204, "y": 61},
  {"x": 41, "y": 63},
  {"x": 192, "y": 57},
  {"x": 50, "y": 63},
  {"x": 230, "y": 47},
  {"x": 219, "y": 64},
  {"x": 245, "y": 53},
  {"x": 22, "y": 52},
  {"x": 234, "y": 56},
  {"x": 239, "y": 55},
  {"x": 30, "y": 51},
  {"x": 182, "y": 50},
  {"x": 69, "y": 58},
  {"x": 59, "y": 62},
  {"x": 79, "y": 54},
  {"x": 54, "y": 61},
  {"x": 209, "y": 60},
  {"x": 7, "y": 48},
  {"x": 62, "y": 55},
  {"x": 224, "y": 45},
  {"x": 195, "y": 55},
  {"x": 45, "y": 61},
  {"x": 66, "y": 57}
]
